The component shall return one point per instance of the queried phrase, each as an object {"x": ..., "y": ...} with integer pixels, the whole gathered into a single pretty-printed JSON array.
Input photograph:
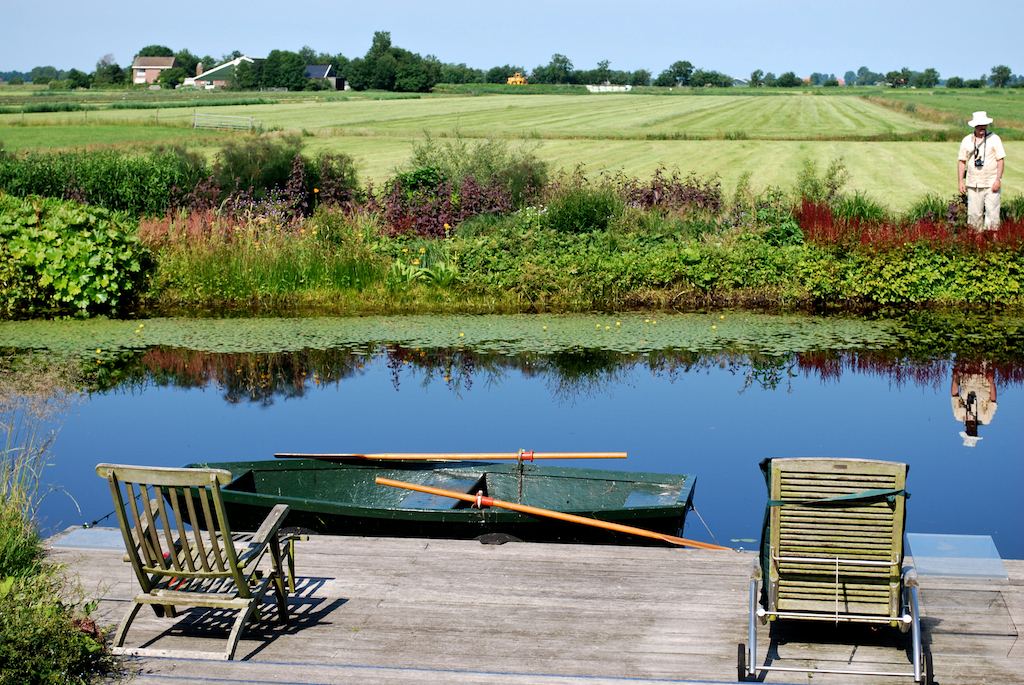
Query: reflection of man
[
  {"x": 974, "y": 400},
  {"x": 980, "y": 174}
]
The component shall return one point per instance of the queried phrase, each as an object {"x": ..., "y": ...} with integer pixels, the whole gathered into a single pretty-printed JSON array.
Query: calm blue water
[{"x": 702, "y": 422}]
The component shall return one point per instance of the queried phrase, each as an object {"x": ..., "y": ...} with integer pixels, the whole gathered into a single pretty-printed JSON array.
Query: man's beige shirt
[{"x": 991, "y": 149}]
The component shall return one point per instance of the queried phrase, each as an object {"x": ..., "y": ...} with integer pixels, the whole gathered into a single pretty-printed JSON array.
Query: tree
[
  {"x": 187, "y": 61},
  {"x": 284, "y": 69},
  {"x": 108, "y": 72},
  {"x": 710, "y": 78},
  {"x": 384, "y": 71},
  {"x": 954, "y": 82},
  {"x": 558, "y": 70},
  {"x": 756, "y": 78},
  {"x": 769, "y": 79},
  {"x": 170, "y": 78},
  {"x": 849, "y": 78},
  {"x": 1001, "y": 76},
  {"x": 155, "y": 51},
  {"x": 789, "y": 80},
  {"x": 831, "y": 83},
  {"x": 929, "y": 78},
  {"x": 817, "y": 79},
  {"x": 640, "y": 77}
]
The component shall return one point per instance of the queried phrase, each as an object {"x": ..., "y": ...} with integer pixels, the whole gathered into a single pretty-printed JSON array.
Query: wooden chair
[
  {"x": 832, "y": 550},
  {"x": 184, "y": 553}
]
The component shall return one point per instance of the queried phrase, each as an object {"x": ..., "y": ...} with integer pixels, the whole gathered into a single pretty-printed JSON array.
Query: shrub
[
  {"x": 59, "y": 254},
  {"x": 954, "y": 82},
  {"x": 136, "y": 184},
  {"x": 931, "y": 208},
  {"x": 575, "y": 206},
  {"x": 256, "y": 165},
  {"x": 825, "y": 188},
  {"x": 1012, "y": 209},
  {"x": 488, "y": 162},
  {"x": 672, "y": 193},
  {"x": 859, "y": 207}
]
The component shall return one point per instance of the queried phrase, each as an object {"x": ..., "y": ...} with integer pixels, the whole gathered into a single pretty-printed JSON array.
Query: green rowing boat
[{"x": 342, "y": 498}]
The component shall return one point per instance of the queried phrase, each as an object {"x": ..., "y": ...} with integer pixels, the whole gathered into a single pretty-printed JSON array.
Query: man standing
[{"x": 981, "y": 157}]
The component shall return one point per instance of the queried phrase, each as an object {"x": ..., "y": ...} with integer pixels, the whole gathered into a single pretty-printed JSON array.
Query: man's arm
[
  {"x": 961, "y": 169},
  {"x": 998, "y": 183}
]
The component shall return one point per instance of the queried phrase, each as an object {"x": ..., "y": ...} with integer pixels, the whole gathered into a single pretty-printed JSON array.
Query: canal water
[{"x": 714, "y": 413}]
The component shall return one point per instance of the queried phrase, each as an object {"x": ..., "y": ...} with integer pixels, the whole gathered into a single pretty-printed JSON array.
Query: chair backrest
[
  {"x": 835, "y": 535},
  {"x": 174, "y": 526}
]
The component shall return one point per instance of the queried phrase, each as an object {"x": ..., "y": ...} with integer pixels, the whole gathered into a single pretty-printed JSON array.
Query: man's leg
[
  {"x": 992, "y": 209},
  {"x": 976, "y": 208}
]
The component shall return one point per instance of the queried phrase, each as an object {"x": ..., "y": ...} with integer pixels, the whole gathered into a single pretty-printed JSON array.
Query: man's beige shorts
[{"x": 983, "y": 209}]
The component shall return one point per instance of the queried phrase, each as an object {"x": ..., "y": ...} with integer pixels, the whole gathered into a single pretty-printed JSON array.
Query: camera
[{"x": 979, "y": 162}]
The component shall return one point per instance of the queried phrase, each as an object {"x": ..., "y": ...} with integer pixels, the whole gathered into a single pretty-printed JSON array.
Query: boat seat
[{"x": 468, "y": 483}]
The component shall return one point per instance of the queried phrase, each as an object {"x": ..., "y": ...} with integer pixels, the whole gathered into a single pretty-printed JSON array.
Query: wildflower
[
  {"x": 359, "y": 235},
  {"x": 714, "y": 327},
  {"x": 423, "y": 250},
  {"x": 98, "y": 351},
  {"x": 405, "y": 249},
  {"x": 416, "y": 261},
  {"x": 316, "y": 190},
  {"x": 461, "y": 335}
]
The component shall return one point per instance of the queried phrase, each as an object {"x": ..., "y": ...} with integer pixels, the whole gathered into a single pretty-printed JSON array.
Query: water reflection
[{"x": 974, "y": 398}]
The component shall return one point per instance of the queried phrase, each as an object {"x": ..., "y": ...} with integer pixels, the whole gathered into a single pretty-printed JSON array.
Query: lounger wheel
[
  {"x": 929, "y": 674},
  {"x": 741, "y": 663}
]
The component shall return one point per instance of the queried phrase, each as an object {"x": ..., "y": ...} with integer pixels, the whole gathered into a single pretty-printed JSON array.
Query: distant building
[
  {"x": 740, "y": 82},
  {"x": 325, "y": 72},
  {"x": 147, "y": 69},
  {"x": 219, "y": 76}
]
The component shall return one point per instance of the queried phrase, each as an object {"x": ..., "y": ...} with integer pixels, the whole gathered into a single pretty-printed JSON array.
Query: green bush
[
  {"x": 824, "y": 188},
  {"x": 859, "y": 207},
  {"x": 141, "y": 185},
  {"x": 60, "y": 254},
  {"x": 931, "y": 207},
  {"x": 256, "y": 165},
  {"x": 514, "y": 167}
]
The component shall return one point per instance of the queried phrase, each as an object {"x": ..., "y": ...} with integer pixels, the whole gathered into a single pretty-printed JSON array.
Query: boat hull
[{"x": 342, "y": 498}]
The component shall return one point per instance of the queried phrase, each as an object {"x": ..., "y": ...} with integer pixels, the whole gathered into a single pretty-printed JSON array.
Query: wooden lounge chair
[
  {"x": 184, "y": 553},
  {"x": 832, "y": 550}
]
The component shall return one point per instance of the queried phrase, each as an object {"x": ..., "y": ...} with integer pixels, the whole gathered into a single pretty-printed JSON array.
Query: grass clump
[{"x": 46, "y": 635}]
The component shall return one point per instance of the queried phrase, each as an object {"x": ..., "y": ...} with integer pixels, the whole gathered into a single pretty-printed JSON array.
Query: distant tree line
[{"x": 389, "y": 67}]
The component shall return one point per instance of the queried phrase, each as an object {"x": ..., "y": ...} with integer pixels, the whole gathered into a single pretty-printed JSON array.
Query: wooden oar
[
  {"x": 482, "y": 501},
  {"x": 526, "y": 456}
]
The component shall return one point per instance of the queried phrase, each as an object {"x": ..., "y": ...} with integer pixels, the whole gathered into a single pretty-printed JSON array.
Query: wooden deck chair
[
  {"x": 832, "y": 550},
  {"x": 183, "y": 551}
]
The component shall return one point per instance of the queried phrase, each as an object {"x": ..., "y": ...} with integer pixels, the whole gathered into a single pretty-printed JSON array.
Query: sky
[{"x": 731, "y": 36}]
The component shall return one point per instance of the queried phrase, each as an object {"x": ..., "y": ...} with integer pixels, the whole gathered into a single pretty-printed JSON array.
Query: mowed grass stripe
[{"x": 598, "y": 116}]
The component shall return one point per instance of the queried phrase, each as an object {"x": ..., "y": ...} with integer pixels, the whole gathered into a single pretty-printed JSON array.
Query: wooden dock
[{"x": 387, "y": 610}]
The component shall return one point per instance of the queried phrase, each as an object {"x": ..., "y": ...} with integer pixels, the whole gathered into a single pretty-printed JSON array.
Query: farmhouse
[
  {"x": 220, "y": 75},
  {"x": 147, "y": 69},
  {"x": 325, "y": 72}
]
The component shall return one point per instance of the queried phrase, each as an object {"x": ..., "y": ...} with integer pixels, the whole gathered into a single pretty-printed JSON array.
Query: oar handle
[{"x": 479, "y": 500}]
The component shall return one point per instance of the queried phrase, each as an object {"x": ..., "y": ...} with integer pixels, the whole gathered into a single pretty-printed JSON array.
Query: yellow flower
[
  {"x": 423, "y": 250},
  {"x": 714, "y": 327},
  {"x": 98, "y": 351},
  {"x": 416, "y": 261},
  {"x": 722, "y": 316},
  {"x": 461, "y": 335},
  {"x": 316, "y": 190},
  {"x": 545, "y": 328},
  {"x": 405, "y": 249},
  {"x": 447, "y": 226},
  {"x": 359, "y": 235},
  {"x": 617, "y": 323}
]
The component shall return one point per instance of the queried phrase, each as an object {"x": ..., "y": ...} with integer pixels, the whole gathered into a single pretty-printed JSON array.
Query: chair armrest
[
  {"x": 266, "y": 531},
  {"x": 910, "y": 576}
]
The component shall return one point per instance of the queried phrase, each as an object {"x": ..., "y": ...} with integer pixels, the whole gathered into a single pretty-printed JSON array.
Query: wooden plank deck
[{"x": 387, "y": 610}]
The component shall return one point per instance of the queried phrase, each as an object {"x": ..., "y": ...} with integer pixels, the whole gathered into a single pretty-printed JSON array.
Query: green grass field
[{"x": 767, "y": 136}]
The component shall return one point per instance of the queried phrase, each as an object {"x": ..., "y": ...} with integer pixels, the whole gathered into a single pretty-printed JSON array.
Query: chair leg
[
  {"x": 122, "y": 629},
  {"x": 239, "y": 626}
]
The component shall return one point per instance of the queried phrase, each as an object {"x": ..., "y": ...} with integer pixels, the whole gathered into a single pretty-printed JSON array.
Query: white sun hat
[
  {"x": 969, "y": 440},
  {"x": 980, "y": 119}
]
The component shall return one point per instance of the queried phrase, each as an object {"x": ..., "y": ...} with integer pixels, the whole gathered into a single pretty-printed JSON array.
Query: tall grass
[
  {"x": 45, "y": 635},
  {"x": 228, "y": 262}
]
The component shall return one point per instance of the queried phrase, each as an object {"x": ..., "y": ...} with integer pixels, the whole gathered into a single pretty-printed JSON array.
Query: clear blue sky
[{"x": 731, "y": 36}]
